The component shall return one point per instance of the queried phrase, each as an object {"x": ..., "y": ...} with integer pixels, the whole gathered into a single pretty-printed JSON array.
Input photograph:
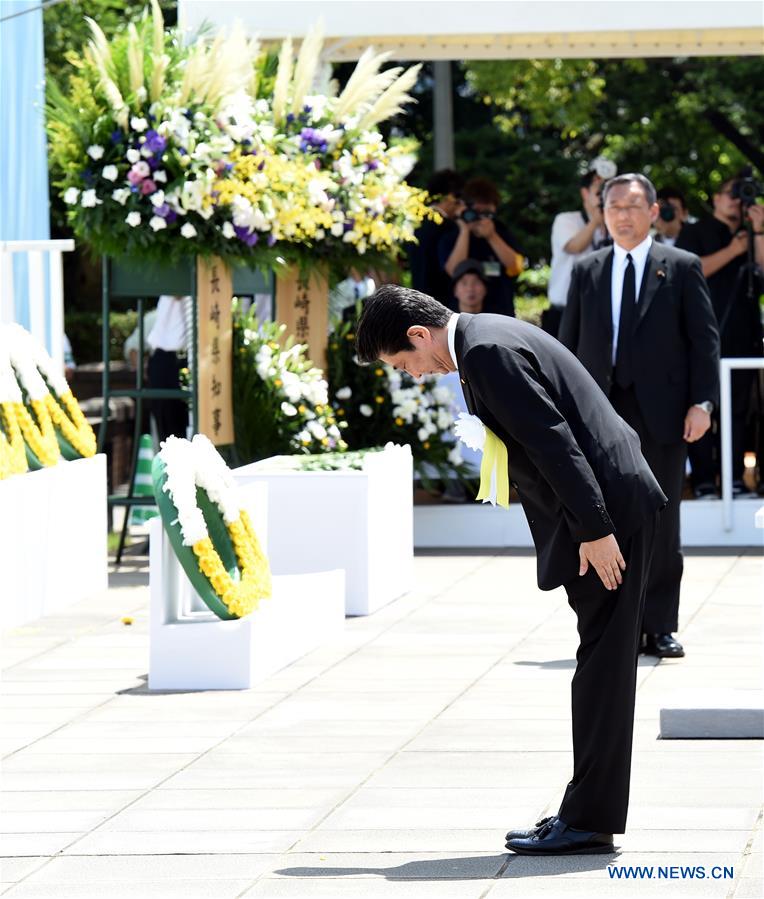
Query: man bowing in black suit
[
  {"x": 591, "y": 502},
  {"x": 639, "y": 317}
]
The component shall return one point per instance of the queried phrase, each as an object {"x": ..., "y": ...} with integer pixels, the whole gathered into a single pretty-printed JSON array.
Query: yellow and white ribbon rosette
[{"x": 494, "y": 471}]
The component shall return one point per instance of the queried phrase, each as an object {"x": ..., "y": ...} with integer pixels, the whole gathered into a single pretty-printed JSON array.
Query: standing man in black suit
[
  {"x": 591, "y": 503},
  {"x": 639, "y": 317}
]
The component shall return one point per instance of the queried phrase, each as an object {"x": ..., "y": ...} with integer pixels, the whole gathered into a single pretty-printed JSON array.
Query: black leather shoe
[
  {"x": 663, "y": 645},
  {"x": 556, "y": 838},
  {"x": 524, "y": 834}
]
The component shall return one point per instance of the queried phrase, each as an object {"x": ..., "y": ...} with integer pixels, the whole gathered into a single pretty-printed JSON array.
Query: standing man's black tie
[{"x": 624, "y": 372}]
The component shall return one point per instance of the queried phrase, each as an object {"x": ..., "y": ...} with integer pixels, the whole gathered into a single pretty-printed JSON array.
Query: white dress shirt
[
  {"x": 565, "y": 226},
  {"x": 451, "y": 332},
  {"x": 639, "y": 258}
]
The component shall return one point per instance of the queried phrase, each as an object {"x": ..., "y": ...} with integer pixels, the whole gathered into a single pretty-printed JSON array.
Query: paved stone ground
[{"x": 389, "y": 763}]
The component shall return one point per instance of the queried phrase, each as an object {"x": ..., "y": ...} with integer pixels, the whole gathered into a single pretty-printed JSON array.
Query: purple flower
[
  {"x": 348, "y": 226},
  {"x": 148, "y": 187},
  {"x": 171, "y": 216},
  {"x": 271, "y": 240},
  {"x": 290, "y": 118},
  {"x": 372, "y": 165},
  {"x": 163, "y": 210},
  {"x": 155, "y": 142},
  {"x": 261, "y": 166},
  {"x": 245, "y": 235},
  {"x": 116, "y": 137}
]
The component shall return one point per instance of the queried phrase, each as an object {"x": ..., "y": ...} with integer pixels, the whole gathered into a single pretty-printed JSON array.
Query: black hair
[
  {"x": 672, "y": 193},
  {"x": 445, "y": 182},
  {"x": 388, "y": 314},
  {"x": 481, "y": 190},
  {"x": 586, "y": 180},
  {"x": 645, "y": 183}
]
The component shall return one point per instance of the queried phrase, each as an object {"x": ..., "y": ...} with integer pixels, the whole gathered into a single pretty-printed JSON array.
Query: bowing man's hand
[
  {"x": 606, "y": 559},
  {"x": 696, "y": 423}
]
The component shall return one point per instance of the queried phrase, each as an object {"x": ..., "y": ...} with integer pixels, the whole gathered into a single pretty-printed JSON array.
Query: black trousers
[
  {"x": 604, "y": 687},
  {"x": 667, "y": 461},
  {"x": 705, "y": 454},
  {"x": 171, "y": 416}
]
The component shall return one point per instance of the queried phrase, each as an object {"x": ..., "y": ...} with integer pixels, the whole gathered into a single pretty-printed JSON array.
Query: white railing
[
  {"x": 725, "y": 422},
  {"x": 39, "y": 252}
]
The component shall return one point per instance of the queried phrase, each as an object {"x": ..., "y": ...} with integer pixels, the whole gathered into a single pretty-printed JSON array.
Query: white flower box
[
  {"x": 360, "y": 521},
  {"x": 193, "y": 649},
  {"x": 53, "y": 549}
]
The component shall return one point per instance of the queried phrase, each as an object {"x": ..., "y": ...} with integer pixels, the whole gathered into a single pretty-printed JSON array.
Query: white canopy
[{"x": 480, "y": 29}]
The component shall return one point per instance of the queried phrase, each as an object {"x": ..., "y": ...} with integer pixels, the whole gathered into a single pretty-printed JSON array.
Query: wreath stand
[{"x": 193, "y": 649}]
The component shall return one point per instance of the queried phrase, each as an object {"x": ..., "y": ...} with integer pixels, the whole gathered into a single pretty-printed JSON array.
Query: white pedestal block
[
  {"x": 360, "y": 521},
  {"x": 713, "y": 715},
  {"x": 53, "y": 548},
  {"x": 192, "y": 649}
]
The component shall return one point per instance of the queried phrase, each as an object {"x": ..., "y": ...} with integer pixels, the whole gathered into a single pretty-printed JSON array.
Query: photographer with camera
[
  {"x": 672, "y": 216},
  {"x": 730, "y": 245},
  {"x": 574, "y": 234},
  {"x": 427, "y": 275},
  {"x": 482, "y": 237}
]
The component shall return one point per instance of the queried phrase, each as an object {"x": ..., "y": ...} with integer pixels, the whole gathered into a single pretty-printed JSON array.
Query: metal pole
[
  {"x": 725, "y": 424},
  {"x": 443, "y": 115}
]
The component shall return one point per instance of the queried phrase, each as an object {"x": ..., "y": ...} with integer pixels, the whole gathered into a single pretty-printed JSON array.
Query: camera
[
  {"x": 667, "y": 212},
  {"x": 472, "y": 215},
  {"x": 746, "y": 188}
]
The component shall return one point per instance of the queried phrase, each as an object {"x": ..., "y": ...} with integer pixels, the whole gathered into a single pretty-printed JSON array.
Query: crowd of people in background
[{"x": 470, "y": 260}]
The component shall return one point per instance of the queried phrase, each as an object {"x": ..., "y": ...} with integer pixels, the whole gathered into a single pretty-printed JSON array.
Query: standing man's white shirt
[
  {"x": 639, "y": 258},
  {"x": 565, "y": 226}
]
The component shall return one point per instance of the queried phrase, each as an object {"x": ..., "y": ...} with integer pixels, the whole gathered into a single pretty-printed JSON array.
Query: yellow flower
[
  {"x": 379, "y": 399},
  {"x": 379, "y": 372},
  {"x": 399, "y": 421},
  {"x": 426, "y": 444},
  {"x": 278, "y": 382}
]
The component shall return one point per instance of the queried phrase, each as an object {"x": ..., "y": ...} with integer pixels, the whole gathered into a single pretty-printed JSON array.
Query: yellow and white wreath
[{"x": 196, "y": 494}]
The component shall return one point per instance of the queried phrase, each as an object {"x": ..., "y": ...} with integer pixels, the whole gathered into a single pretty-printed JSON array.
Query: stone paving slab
[{"x": 388, "y": 763}]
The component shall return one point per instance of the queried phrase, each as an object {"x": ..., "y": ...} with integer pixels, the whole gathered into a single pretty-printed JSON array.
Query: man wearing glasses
[{"x": 639, "y": 317}]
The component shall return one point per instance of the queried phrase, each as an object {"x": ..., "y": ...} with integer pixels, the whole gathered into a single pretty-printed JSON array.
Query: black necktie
[{"x": 624, "y": 376}]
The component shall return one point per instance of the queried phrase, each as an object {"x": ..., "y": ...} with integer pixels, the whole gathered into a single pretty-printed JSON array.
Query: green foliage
[
  {"x": 685, "y": 122},
  {"x": 84, "y": 332}
]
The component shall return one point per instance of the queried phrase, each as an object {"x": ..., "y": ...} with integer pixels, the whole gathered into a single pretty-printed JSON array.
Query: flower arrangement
[
  {"x": 44, "y": 411},
  {"x": 167, "y": 150},
  {"x": 13, "y": 457},
  {"x": 280, "y": 400},
  {"x": 198, "y": 502},
  {"x": 381, "y": 404}
]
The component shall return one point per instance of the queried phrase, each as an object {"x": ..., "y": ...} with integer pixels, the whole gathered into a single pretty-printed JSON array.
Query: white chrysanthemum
[
  {"x": 470, "y": 430},
  {"x": 89, "y": 199},
  {"x": 121, "y": 195},
  {"x": 365, "y": 410},
  {"x": 157, "y": 223},
  {"x": 133, "y": 219},
  {"x": 188, "y": 230},
  {"x": 138, "y": 123},
  {"x": 110, "y": 172},
  {"x": 71, "y": 195},
  {"x": 228, "y": 231},
  {"x": 157, "y": 198},
  {"x": 344, "y": 393},
  {"x": 132, "y": 155},
  {"x": 95, "y": 152},
  {"x": 288, "y": 409}
]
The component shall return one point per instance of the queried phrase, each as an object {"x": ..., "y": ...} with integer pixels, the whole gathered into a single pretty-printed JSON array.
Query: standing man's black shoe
[
  {"x": 662, "y": 645},
  {"x": 556, "y": 838},
  {"x": 524, "y": 834}
]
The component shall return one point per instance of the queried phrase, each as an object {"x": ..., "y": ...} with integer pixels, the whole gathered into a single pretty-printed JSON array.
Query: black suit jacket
[
  {"x": 675, "y": 340},
  {"x": 575, "y": 463}
]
